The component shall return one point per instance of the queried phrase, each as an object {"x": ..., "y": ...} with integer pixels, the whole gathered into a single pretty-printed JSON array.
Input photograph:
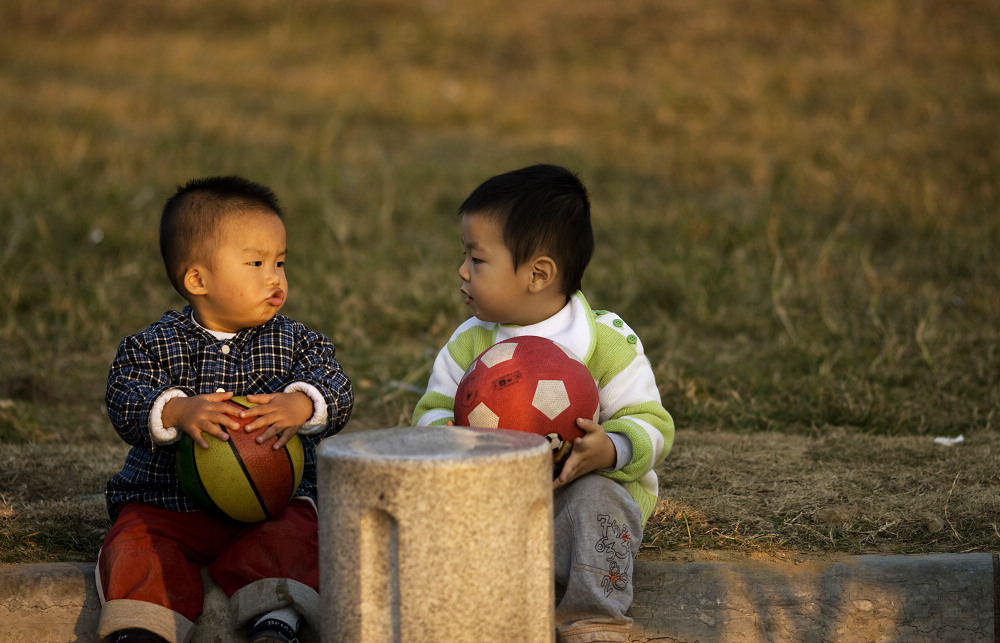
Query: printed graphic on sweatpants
[{"x": 615, "y": 543}]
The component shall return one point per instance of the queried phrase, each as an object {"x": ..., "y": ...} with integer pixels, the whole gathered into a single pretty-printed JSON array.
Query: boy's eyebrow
[{"x": 252, "y": 250}]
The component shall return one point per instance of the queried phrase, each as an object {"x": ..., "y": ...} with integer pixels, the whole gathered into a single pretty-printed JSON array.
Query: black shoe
[
  {"x": 271, "y": 630},
  {"x": 137, "y": 635}
]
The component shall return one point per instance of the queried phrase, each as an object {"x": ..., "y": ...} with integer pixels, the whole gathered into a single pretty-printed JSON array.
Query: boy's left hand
[
  {"x": 281, "y": 414},
  {"x": 593, "y": 451}
]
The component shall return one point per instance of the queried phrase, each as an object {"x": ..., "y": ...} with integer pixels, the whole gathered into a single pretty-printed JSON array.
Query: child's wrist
[{"x": 317, "y": 417}]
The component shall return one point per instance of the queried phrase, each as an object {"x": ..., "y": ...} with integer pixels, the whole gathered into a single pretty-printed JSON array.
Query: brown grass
[{"x": 831, "y": 492}]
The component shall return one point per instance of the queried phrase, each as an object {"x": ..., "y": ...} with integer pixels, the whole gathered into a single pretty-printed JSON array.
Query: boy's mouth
[
  {"x": 468, "y": 298},
  {"x": 277, "y": 298}
]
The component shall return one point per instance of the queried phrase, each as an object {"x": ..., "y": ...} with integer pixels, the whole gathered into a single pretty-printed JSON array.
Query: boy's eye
[
  {"x": 281, "y": 264},
  {"x": 255, "y": 263}
]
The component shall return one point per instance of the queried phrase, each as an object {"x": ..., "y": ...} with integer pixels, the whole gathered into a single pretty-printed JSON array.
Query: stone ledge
[
  {"x": 942, "y": 597},
  {"x": 934, "y": 598}
]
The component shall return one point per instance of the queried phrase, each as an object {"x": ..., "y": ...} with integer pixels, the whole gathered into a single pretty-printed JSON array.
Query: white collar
[
  {"x": 218, "y": 334},
  {"x": 568, "y": 327}
]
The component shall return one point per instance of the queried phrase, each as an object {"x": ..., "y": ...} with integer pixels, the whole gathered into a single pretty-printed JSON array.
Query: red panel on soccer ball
[{"x": 530, "y": 384}]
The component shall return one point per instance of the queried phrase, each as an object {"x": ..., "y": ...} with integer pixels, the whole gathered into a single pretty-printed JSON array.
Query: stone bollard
[{"x": 436, "y": 534}]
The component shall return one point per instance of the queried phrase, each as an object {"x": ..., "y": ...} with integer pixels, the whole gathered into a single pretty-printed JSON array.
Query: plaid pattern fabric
[{"x": 175, "y": 353}]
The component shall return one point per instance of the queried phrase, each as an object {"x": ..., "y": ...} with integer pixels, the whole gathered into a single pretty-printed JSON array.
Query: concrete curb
[
  {"x": 936, "y": 598},
  {"x": 943, "y": 597}
]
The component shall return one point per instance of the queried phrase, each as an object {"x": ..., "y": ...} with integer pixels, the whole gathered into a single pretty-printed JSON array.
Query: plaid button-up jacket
[{"x": 175, "y": 353}]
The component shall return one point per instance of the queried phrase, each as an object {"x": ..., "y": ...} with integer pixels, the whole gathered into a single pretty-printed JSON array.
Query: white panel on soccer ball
[
  {"x": 551, "y": 398},
  {"x": 499, "y": 353},
  {"x": 483, "y": 417}
]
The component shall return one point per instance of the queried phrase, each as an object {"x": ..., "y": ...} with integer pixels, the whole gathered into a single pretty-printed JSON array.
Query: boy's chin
[
  {"x": 264, "y": 318},
  {"x": 486, "y": 319}
]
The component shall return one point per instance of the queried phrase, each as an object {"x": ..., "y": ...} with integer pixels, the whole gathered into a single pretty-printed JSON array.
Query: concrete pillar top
[{"x": 425, "y": 445}]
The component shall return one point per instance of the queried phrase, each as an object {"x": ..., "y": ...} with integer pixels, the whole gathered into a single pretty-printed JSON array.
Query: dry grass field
[{"x": 797, "y": 206}]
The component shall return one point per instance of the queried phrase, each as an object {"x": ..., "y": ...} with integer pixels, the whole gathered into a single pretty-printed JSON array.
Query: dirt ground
[{"x": 723, "y": 495}]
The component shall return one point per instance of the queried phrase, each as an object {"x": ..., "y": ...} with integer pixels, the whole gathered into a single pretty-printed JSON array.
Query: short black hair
[
  {"x": 540, "y": 209},
  {"x": 191, "y": 217}
]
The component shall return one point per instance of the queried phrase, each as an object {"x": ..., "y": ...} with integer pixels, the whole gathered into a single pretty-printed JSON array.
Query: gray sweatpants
[{"x": 598, "y": 529}]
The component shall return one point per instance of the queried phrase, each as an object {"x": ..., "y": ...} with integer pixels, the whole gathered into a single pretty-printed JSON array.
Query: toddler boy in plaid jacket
[{"x": 223, "y": 244}]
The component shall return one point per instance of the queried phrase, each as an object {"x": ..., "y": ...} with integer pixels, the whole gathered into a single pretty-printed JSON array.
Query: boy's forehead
[
  {"x": 251, "y": 230},
  {"x": 248, "y": 221},
  {"x": 478, "y": 227}
]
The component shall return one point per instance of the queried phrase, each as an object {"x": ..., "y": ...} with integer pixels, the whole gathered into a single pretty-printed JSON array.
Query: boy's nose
[{"x": 463, "y": 270}]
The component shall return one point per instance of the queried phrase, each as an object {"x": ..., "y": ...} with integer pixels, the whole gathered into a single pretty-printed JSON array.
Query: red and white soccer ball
[{"x": 530, "y": 384}]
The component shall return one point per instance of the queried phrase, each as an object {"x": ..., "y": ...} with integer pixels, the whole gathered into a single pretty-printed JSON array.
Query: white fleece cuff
[
  {"x": 317, "y": 422},
  {"x": 159, "y": 433}
]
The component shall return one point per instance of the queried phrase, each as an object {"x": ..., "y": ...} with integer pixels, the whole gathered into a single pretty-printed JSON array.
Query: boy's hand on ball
[
  {"x": 593, "y": 451},
  {"x": 279, "y": 414},
  {"x": 200, "y": 414}
]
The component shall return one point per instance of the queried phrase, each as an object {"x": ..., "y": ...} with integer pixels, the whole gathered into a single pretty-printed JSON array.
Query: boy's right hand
[
  {"x": 593, "y": 451},
  {"x": 200, "y": 414}
]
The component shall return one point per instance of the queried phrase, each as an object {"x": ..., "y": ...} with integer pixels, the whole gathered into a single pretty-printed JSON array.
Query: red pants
[{"x": 155, "y": 555}]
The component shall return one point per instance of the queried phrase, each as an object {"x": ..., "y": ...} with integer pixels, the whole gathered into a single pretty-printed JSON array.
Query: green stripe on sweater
[{"x": 465, "y": 348}]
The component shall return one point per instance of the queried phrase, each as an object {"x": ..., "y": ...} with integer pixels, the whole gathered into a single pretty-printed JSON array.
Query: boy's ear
[
  {"x": 543, "y": 273},
  {"x": 194, "y": 281}
]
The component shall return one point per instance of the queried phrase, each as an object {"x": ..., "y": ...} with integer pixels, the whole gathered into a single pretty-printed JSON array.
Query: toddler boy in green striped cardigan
[{"x": 527, "y": 240}]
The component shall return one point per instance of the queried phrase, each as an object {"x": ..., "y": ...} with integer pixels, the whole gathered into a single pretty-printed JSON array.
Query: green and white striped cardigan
[{"x": 630, "y": 401}]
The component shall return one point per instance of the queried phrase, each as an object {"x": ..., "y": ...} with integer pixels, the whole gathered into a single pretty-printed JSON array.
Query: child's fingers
[
  {"x": 198, "y": 434},
  {"x": 572, "y": 469},
  {"x": 213, "y": 409},
  {"x": 267, "y": 434},
  {"x": 588, "y": 425},
  {"x": 567, "y": 475},
  {"x": 264, "y": 416},
  {"x": 260, "y": 398},
  {"x": 260, "y": 420},
  {"x": 264, "y": 407},
  {"x": 223, "y": 416},
  {"x": 284, "y": 437},
  {"x": 280, "y": 435}
]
